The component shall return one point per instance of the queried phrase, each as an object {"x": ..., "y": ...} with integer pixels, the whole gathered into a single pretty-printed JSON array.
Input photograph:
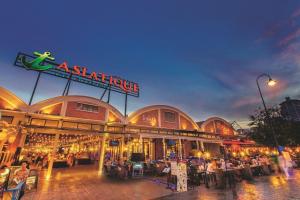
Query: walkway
[{"x": 83, "y": 183}]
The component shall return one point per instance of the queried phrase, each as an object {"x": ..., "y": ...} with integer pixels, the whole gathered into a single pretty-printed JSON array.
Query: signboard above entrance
[{"x": 43, "y": 62}]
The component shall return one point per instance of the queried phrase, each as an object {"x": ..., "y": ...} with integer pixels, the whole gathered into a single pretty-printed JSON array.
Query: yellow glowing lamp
[
  {"x": 11, "y": 139},
  {"x": 153, "y": 122},
  {"x": 199, "y": 154},
  {"x": 207, "y": 154},
  {"x": 271, "y": 82},
  {"x": 3, "y": 134}
]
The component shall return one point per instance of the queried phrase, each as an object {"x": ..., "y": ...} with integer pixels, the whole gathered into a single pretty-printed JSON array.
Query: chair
[{"x": 17, "y": 192}]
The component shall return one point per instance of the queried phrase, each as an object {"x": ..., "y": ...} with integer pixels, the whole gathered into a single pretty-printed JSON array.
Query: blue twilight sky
[{"x": 200, "y": 56}]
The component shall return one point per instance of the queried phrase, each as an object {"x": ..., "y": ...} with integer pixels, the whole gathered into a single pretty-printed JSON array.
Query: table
[
  {"x": 60, "y": 164},
  {"x": 84, "y": 161}
]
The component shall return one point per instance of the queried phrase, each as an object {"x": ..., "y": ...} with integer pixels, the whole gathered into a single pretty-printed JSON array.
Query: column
[
  {"x": 23, "y": 137},
  {"x": 102, "y": 152},
  {"x": 122, "y": 147},
  {"x": 202, "y": 146},
  {"x": 50, "y": 164},
  {"x": 197, "y": 143},
  {"x": 164, "y": 148},
  {"x": 129, "y": 149},
  {"x": 140, "y": 150},
  {"x": 179, "y": 149},
  {"x": 215, "y": 127}
]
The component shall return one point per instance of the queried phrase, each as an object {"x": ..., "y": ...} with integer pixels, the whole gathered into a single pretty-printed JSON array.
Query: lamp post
[{"x": 271, "y": 83}]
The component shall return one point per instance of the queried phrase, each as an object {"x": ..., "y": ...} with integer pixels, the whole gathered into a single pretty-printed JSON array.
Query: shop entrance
[{"x": 64, "y": 151}]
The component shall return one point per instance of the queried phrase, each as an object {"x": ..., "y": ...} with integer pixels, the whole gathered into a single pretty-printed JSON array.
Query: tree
[{"x": 287, "y": 132}]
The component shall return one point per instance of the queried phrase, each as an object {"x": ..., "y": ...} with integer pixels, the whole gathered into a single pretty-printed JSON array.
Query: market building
[{"x": 86, "y": 124}]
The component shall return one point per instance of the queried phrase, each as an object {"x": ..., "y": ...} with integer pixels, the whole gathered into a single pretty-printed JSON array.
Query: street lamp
[{"x": 271, "y": 82}]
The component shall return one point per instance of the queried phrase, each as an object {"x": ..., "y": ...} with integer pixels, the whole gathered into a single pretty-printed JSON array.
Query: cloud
[
  {"x": 278, "y": 28},
  {"x": 296, "y": 13},
  {"x": 290, "y": 37},
  {"x": 246, "y": 101}
]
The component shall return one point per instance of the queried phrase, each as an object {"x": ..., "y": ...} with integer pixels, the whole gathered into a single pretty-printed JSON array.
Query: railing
[
  {"x": 116, "y": 129},
  {"x": 6, "y": 157}
]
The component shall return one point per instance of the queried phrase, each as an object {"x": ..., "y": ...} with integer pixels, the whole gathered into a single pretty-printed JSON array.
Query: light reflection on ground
[
  {"x": 262, "y": 188},
  {"x": 84, "y": 183}
]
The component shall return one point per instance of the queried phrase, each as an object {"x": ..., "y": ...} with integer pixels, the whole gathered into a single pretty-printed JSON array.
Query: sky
[{"x": 202, "y": 57}]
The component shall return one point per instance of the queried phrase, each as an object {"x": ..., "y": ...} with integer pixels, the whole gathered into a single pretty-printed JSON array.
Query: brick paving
[
  {"x": 262, "y": 188},
  {"x": 82, "y": 183}
]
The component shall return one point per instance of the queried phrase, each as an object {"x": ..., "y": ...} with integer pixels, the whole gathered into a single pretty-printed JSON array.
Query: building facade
[
  {"x": 81, "y": 123},
  {"x": 290, "y": 109}
]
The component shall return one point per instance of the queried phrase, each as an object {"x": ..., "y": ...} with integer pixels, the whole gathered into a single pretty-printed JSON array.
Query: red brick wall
[
  {"x": 186, "y": 124},
  {"x": 4, "y": 104},
  {"x": 53, "y": 110},
  {"x": 158, "y": 149},
  {"x": 223, "y": 128},
  {"x": 187, "y": 147},
  {"x": 113, "y": 118},
  {"x": 170, "y": 125},
  {"x": 73, "y": 112},
  {"x": 209, "y": 127},
  {"x": 149, "y": 118}
]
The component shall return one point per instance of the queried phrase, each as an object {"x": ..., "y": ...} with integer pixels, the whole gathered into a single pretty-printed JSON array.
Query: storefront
[{"x": 82, "y": 125}]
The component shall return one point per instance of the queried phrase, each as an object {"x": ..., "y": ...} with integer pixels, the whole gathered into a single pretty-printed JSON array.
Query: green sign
[{"x": 37, "y": 63}]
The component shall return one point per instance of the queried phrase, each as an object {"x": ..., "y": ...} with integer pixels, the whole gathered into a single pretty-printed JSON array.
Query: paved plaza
[
  {"x": 262, "y": 188},
  {"x": 82, "y": 183}
]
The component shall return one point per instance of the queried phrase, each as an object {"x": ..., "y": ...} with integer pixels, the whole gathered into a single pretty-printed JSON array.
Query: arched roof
[
  {"x": 14, "y": 101},
  {"x": 211, "y": 119},
  {"x": 160, "y": 107},
  {"x": 76, "y": 98}
]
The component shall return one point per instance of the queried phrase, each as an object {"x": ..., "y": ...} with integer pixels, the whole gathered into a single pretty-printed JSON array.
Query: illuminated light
[
  {"x": 234, "y": 154},
  {"x": 242, "y": 154},
  {"x": 274, "y": 152},
  {"x": 271, "y": 82},
  {"x": 199, "y": 154},
  {"x": 183, "y": 126},
  {"x": 78, "y": 71},
  {"x": 11, "y": 139},
  {"x": 153, "y": 121},
  {"x": 111, "y": 117},
  {"x": 207, "y": 154},
  {"x": 3, "y": 134},
  {"x": 134, "y": 120},
  {"x": 8, "y": 107}
]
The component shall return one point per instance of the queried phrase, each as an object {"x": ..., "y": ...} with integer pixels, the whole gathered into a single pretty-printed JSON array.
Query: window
[
  {"x": 38, "y": 122},
  {"x": 169, "y": 117},
  {"x": 51, "y": 123},
  {"x": 69, "y": 125},
  {"x": 8, "y": 119},
  {"x": 84, "y": 126},
  {"x": 87, "y": 107}
]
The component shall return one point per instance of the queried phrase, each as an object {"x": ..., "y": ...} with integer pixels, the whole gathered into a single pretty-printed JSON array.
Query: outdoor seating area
[
  {"x": 211, "y": 172},
  {"x": 15, "y": 181}
]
